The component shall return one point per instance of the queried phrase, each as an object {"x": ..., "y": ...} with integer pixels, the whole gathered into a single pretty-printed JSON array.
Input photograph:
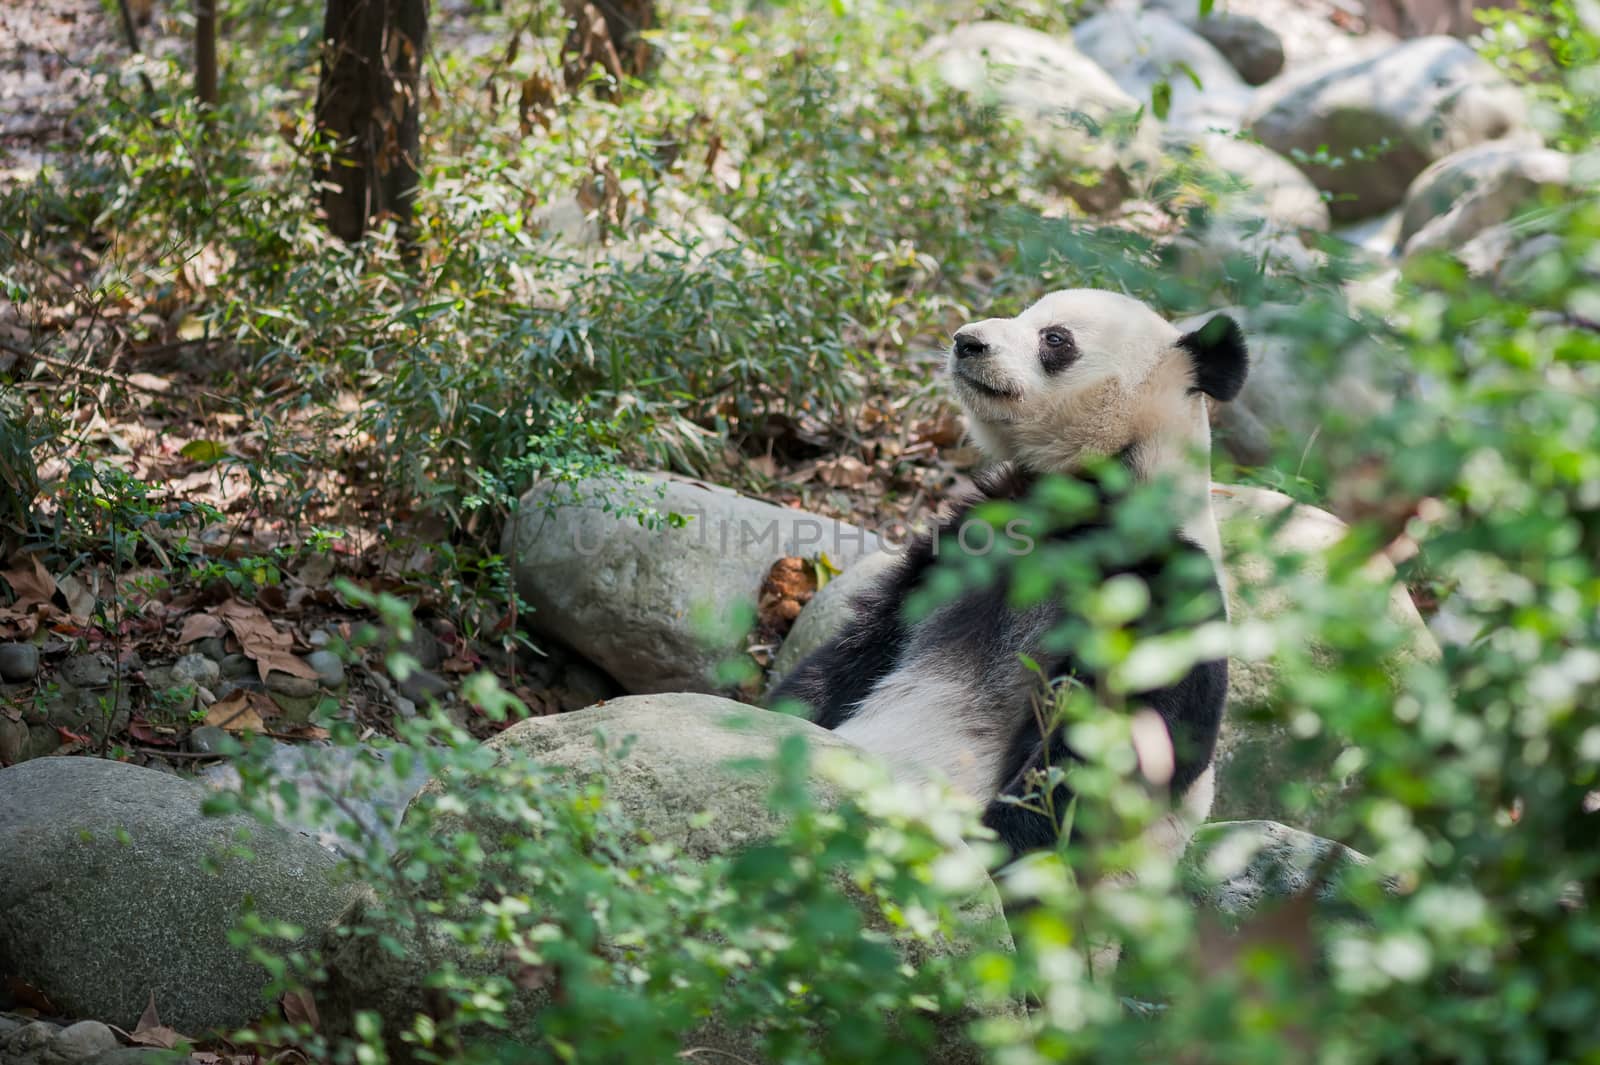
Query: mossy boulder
[{"x": 691, "y": 774}]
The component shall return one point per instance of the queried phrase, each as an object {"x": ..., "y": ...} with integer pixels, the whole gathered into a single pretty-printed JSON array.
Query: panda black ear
[{"x": 1220, "y": 358}]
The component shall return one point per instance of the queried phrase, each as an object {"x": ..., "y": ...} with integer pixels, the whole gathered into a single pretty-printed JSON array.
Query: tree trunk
[
  {"x": 367, "y": 104},
  {"x": 205, "y": 52}
]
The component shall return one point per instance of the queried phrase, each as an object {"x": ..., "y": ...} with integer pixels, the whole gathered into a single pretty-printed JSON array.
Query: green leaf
[
  {"x": 1206, "y": 6},
  {"x": 1161, "y": 99},
  {"x": 203, "y": 451}
]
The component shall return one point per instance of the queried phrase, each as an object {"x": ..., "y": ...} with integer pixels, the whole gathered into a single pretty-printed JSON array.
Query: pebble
[
  {"x": 420, "y": 685},
  {"x": 13, "y": 741},
  {"x": 28, "y": 1038},
  {"x": 209, "y": 739},
  {"x": 172, "y": 694},
  {"x": 291, "y": 685},
  {"x": 228, "y": 687},
  {"x": 424, "y": 646},
  {"x": 18, "y": 661},
  {"x": 86, "y": 671},
  {"x": 204, "y": 696},
  {"x": 236, "y": 666},
  {"x": 195, "y": 670},
  {"x": 330, "y": 670},
  {"x": 42, "y": 740},
  {"x": 319, "y": 638},
  {"x": 297, "y": 709},
  {"x": 212, "y": 647},
  {"x": 82, "y": 1041},
  {"x": 404, "y": 707}
]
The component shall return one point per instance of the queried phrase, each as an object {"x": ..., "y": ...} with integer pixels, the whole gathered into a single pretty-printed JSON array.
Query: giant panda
[{"x": 1081, "y": 376}]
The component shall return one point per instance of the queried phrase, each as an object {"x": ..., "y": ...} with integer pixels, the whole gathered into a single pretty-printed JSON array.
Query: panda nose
[{"x": 970, "y": 347}]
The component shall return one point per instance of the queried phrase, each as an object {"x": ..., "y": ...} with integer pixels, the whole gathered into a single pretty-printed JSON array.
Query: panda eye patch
[{"x": 1057, "y": 349}]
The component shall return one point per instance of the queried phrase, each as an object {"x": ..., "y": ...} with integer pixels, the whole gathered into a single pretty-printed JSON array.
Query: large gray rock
[
  {"x": 1258, "y": 752},
  {"x": 1306, "y": 33},
  {"x": 1442, "y": 185},
  {"x": 1272, "y": 190},
  {"x": 1064, "y": 101},
  {"x": 1378, "y": 237},
  {"x": 1141, "y": 49},
  {"x": 1236, "y": 251},
  {"x": 679, "y": 769},
  {"x": 1235, "y": 867},
  {"x": 1265, "y": 212},
  {"x": 1426, "y": 98},
  {"x": 658, "y": 608},
  {"x": 115, "y": 887},
  {"x": 371, "y": 794},
  {"x": 1498, "y": 187},
  {"x": 1253, "y": 48},
  {"x": 1254, "y": 758}
]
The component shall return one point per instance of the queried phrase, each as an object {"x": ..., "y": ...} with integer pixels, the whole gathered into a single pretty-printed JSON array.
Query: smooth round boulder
[
  {"x": 1064, "y": 101},
  {"x": 658, "y": 607},
  {"x": 1144, "y": 49},
  {"x": 115, "y": 887},
  {"x": 1305, "y": 33},
  {"x": 1252, "y": 47},
  {"x": 1256, "y": 751},
  {"x": 683, "y": 770},
  {"x": 1234, "y": 868},
  {"x": 1442, "y": 185},
  {"x": 1498, "y": 187},
  {"x": 1272, "y": 189},
  {"x": 1364, "y": 128}
]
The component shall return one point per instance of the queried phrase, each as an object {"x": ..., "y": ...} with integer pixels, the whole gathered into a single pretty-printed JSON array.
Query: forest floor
[{"x": 234, "y": 551}]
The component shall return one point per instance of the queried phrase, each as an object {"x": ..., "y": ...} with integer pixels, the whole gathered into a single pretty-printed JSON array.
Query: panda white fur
[{"x": 1080, "y": 373}]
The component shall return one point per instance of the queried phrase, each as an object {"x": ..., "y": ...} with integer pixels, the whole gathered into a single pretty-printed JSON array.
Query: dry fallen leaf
[
  {"x": 200, "y": 627},
  {"x": 300, "y": 1008},
  {"x": 243, "y": 711},
  {"x": 80, "y": 599},
  {"x": 152, "y": 1033},
  {"x": 31, "y": 583},
  {"x": 261, "y": 640},
  {"x": 721, "y": 165},
  {"x": 316, "y": 571},
  {"x": 17, "y": 625},
  {"x": 844, "y": 472}
]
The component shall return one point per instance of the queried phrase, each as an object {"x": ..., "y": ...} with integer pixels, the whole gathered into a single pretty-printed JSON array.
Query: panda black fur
[{"x": 1080, "y": 374}]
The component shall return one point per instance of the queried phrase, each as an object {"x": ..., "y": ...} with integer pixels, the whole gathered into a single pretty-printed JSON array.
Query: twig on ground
[{"x": 109, "y": 375}]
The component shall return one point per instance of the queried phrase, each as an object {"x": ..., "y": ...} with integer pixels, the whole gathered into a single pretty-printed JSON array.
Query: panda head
[{"x": 1085, "y": 372}]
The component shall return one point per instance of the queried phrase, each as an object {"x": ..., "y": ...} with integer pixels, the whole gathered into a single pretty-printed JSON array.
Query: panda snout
[{"x": 970, "y": 347}]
